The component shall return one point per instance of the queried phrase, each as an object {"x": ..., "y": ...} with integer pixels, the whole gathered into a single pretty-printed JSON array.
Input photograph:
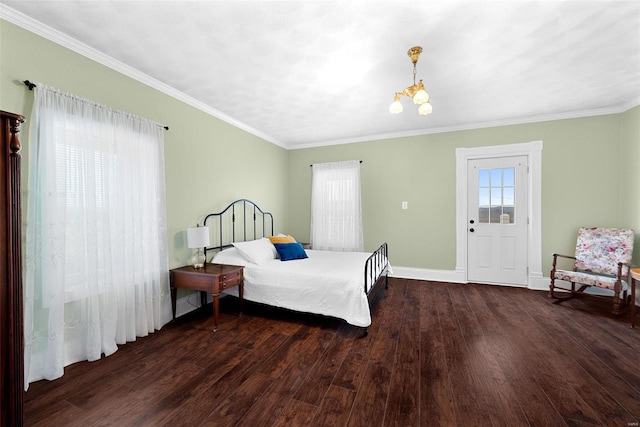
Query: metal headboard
[{"x": 243, "y": 214}]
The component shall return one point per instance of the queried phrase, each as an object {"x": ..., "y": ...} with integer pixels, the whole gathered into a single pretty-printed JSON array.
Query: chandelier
[{"x": 416, "y": 91}]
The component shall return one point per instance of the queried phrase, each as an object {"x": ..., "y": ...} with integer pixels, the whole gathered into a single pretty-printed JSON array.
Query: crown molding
[
  {"x": 480, "y": 125},
  {"x": 37, "y": 27},
  {"x": 629, "y": 105}
]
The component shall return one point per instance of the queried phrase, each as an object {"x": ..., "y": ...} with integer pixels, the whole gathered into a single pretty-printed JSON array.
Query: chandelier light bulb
[
  {"x": 425, "y": 109},
  {"x": 420, "y": 97},
  {"x": 396, "y": 107}
]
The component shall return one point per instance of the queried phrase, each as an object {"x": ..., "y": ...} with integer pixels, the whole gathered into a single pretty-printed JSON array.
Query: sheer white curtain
[
  {"x": 336, "y": 212},
  {"x": 96, "y": 252}
]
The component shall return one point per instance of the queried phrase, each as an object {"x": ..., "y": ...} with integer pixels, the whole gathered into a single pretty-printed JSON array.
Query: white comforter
[{"x": 327, "y": 283}]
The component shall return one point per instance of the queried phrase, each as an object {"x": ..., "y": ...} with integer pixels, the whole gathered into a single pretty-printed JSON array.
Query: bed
[{"x": 282, "y": 274}]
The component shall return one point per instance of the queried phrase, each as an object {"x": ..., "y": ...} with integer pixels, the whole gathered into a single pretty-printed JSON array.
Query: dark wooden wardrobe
[{"x": 11, "y": 312}]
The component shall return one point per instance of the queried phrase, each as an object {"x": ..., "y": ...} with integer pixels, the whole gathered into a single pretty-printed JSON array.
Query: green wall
[
  {"x": 590, "y": 173},
  {"x": 581, "y": 184},
  {"x": 208, "y": 162},
  {"x": 630, "y": 174}
]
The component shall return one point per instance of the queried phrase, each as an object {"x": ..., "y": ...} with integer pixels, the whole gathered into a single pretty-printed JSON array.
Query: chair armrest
[
  {"x": 564, "y": 256},
  {"x": 555, "y": 259}
]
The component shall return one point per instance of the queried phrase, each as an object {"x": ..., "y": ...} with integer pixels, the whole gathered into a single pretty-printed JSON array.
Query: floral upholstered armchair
[{"x": 602, "y": 259}]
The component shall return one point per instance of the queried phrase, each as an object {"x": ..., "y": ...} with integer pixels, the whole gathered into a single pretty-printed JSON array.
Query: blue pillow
[{"x": 290, "y": 251}]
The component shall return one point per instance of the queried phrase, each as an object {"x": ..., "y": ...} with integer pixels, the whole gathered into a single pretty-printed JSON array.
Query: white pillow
[
  {"x": 257, "y": 251},
  {"x": 230, "y": 256}
]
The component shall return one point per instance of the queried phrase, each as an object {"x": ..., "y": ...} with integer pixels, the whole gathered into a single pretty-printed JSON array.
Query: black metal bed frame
[
  {"x": 254, "y": 212},
  {"x": 243, "y": 210},
  {"x": 376, "y": 265}
]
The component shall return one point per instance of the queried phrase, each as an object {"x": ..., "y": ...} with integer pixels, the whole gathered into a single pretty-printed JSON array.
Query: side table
[
  {"x": 213, "y": 278},
  {"x": 635, "y": 276}
]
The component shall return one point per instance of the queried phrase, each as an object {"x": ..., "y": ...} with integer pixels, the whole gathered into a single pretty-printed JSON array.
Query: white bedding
[{"x": 326, "y": 283}]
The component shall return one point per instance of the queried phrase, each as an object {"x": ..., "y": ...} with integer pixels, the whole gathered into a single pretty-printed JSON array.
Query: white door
[{"x": 497, "y": 220}]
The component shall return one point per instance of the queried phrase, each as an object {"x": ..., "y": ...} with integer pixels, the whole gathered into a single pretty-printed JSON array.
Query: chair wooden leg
[
  {"x": 616, "y": 298},
  {"x": 552, "y": 275},
  {"x": 616, "y": 305},
  {"x": 562, "y": 296}
]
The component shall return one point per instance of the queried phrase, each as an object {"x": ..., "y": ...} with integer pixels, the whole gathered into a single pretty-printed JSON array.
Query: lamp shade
[
  {"x": 197, "y": 237},
  {"x": 395, "y": 107},
  {"x": 425, "y": 109},
  {"x": 420, "y": 97}
]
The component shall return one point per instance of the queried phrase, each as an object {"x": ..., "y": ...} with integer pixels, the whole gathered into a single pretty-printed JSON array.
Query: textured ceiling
[{"x": 306, "y": 73}]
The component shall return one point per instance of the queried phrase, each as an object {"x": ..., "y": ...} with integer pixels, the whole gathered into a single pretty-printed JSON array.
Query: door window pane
[
  {"x": 508, "y": 196},
  {"x": 483, "y": 178},
  {"x": 496, "y": 196},
  {"x": 496, "y": 177},
  {"x": 508, "y": 177}
]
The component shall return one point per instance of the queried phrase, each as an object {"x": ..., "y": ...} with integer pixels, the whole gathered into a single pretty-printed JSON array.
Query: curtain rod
[
  {"x": 30, "y": 85},
  {"x": 312, "y": 165}
]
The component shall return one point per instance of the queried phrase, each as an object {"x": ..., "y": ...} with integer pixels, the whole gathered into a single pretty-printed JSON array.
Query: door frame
[{"x": 533, "y": 151}]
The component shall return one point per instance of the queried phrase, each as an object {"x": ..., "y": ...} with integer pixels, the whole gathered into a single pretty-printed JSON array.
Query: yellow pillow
[{"x": 282, "y": 239}]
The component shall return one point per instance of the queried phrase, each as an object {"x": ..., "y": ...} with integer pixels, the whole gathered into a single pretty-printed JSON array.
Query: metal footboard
[{"x": 377, "y": 264}]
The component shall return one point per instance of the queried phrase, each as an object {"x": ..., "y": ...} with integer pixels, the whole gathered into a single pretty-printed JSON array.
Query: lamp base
[{"x": 198, "y": 258}]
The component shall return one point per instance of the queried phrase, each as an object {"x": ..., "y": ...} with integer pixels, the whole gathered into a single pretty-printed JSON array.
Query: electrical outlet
[{"x": 405, "y": 205}]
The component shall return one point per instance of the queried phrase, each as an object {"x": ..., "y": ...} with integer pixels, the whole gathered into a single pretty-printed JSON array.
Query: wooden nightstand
[
  {"x": 213, "y": 278},
  {"x": 635, "y": 277}
]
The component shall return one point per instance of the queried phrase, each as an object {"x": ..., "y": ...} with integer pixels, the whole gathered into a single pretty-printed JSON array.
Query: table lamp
[{"x": 198, "y": 239}]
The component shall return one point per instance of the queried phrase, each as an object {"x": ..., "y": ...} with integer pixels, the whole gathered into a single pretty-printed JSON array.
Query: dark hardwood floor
[{"x": 437, "y": 354}]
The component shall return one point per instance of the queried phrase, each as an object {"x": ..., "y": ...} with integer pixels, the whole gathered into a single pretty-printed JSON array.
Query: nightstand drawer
[{"x": 230, "y": 280}]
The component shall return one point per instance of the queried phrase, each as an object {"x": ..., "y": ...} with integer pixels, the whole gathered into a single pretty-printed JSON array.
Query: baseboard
[
  {"x": 536, "y": 281},
  {"x": 431, "y": 275},
  {"x": 563, "y": 286}
]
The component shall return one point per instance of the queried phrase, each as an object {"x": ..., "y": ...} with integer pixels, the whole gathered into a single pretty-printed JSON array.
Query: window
[
  {"x": 336, "y": 212},
  {"x": 496, "y": 195},
  {"x": 97, "y": 263}
]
